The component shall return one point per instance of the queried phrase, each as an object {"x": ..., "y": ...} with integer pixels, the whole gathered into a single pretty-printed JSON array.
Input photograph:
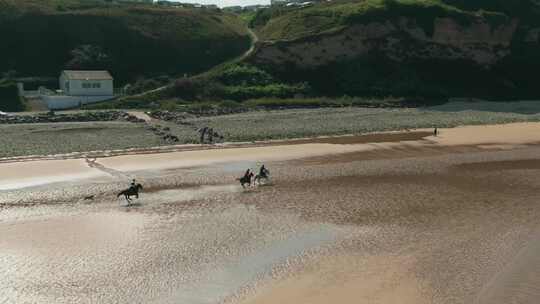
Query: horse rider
[
  {"x": 211, "y": 135},
  {"x": 248, "y": 173},
  {"x": 263, "y": 172},
  {"x": 133, "y": 184}
]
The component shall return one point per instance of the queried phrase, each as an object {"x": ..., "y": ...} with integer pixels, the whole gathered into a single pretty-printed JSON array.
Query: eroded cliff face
[{"x": 399, "y": 40}]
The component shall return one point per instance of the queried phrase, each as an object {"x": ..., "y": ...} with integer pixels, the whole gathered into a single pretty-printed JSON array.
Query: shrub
[
  {"x": 243, "y": 74},
  {"x": 9, "y": 98},
  {"x": 186, "y": 88},
  {"x": 143, "y": 85},
  {"x": 168, "y": 105},
  {"x": 273, "y": 90}
]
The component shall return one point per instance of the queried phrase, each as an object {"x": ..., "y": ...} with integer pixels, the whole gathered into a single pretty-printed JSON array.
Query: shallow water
[
  {"x": 165, "y": 248},
  {"x": 454, "y": 217}
]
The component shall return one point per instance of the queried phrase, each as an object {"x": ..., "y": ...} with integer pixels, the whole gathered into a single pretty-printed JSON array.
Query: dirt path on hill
[{"x": 254, "y": 40}]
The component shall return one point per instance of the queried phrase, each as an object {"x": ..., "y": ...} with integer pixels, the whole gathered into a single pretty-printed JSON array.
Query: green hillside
[
  {"x": 294, "y": 23},
  {"x": 42, "y": 37},
  {"x": 405, "y": 62}
]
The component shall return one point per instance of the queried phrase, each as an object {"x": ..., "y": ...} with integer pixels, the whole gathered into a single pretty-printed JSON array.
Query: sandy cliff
[{"x": 400, "y": 40}]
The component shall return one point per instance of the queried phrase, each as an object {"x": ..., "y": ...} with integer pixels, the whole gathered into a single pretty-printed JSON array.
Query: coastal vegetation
[
  {"x": 291, "y": 23},
  {"x": 40, "y": 38},
  {"x": 10, "y": 101},
  {"x": 374, "y": 53},
  {"x": 410, "y": 48}
]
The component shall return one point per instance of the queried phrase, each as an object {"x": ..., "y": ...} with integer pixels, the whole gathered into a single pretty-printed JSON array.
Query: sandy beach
[{"x": 400, "y": 217}]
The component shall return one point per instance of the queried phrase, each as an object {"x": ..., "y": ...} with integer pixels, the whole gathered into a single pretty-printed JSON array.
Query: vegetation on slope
[
  {"x": 40, "y": 38},
  {"x": 227, "y": 86},
  {"x": 294, "y": 23},
  {"x": 376, "y": 74}
]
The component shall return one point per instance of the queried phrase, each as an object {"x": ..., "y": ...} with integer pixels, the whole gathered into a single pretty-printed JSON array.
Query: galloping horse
[
  {"x": 245, "y": 180},
  {"x": 131, "y": 191},
  {"x": 263, "y": 175}
]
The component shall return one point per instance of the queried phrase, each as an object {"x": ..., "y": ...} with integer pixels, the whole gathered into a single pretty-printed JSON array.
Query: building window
[{"x": 91, "y": 85}]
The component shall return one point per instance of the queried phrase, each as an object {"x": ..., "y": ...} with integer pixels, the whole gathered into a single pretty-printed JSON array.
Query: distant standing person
[
  {"x": 435, "y": 132},
  {"x": 210, "y": 135},
  {"x": 203, "y": 134}
]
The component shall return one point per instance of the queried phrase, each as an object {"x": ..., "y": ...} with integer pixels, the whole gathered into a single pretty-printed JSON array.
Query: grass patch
[{"x": 57, "y": 138}]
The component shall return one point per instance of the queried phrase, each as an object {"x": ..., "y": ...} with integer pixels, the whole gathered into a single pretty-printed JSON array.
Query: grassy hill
[
  {"x": 42, "y": 37},
  {"x": 294, "y": 23},
  {"x": 405, "y": 47}
]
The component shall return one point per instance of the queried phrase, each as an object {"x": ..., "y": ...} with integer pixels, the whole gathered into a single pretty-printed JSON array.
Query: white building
[
  {"x": 78, "y": 88},
  {"x": 86, "y": 83}
]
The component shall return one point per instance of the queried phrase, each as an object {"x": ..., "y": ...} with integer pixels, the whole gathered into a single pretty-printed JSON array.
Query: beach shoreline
[{"x": 21, "y": 172}]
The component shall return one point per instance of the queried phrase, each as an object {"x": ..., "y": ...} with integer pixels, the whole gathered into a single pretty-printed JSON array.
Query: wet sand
[
  {"x": 24, "y": 174},
  {"x": 414, "y": 221}
]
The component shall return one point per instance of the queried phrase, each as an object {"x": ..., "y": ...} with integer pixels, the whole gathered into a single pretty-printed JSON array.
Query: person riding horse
[
  {"x": 263, "y": 174},
  {"x": 246, "y": 179},
  {"x": 133, "y": 184},
  {"x": 133, "y": 190}
]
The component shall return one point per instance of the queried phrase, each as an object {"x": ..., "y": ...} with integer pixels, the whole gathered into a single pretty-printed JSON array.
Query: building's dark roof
[{"x": 88, "y": 75}]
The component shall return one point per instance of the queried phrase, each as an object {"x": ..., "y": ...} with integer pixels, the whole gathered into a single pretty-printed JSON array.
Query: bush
[
  {"x": 9, "y": 98},
  {"x": 186, "y": 88},
  {"x": 143, "y": 85},
  {"x": 168, "y": 105},
  {"x": 243, "y": 74},
  {"x": 230, "y": 104},
  {"x": 280, "y": 90}
]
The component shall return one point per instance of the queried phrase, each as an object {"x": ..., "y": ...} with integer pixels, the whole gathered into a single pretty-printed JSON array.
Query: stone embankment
[
  {"x": 52, "y": 117},
  {"x": 176, "y": 117}
]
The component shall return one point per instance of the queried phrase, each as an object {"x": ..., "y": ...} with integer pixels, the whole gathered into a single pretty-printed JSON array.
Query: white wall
[
  {"x": 60, "y": 102},
  {"x": 76, "y": 88}
]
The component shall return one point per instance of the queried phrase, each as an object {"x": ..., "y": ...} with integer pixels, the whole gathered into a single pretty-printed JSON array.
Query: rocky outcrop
[{"x": 399, "y": 40}]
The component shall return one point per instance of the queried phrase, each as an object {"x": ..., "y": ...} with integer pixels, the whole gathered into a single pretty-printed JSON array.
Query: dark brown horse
[
  {"x": 246, "y": 179},
  {"x": 131, "y": 191}
]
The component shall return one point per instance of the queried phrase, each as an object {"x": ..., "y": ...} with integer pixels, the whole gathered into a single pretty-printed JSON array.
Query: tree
[{"x": 89, "y": 57}]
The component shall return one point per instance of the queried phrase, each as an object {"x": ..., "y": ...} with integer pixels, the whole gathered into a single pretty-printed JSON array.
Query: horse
[
  {"x": 264, "y": 175},
  {"x": 245, "y": 180},
  {"x": 131, "y": 191}
]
